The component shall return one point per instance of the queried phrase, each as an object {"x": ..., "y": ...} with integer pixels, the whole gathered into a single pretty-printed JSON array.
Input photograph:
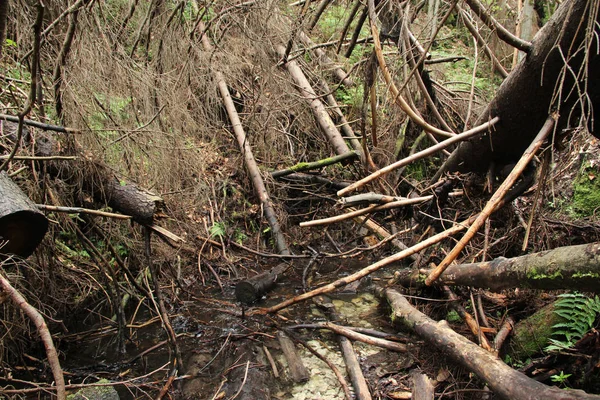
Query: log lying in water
[
  {"x": 254, "y": 288},
  {"x": 22, "y": 226}
]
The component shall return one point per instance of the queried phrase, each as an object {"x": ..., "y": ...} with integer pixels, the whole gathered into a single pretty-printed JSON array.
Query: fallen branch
[
  {"x": 40, "y": 125},
  {"x": 361, "y": 389},
  {"x": 496, "y": 201},
  {"x": 249, "y": 161},
  {"x": 43, "y": 331},
  {"x": 503, "y": 34},
  {"x": 307, "y": 166},
  {"x": 318, "y": 108},
  {"x": 369, "y": 269},
  {"x": 503, "y": 380},
  {"x": 421, "y": 154},
  {"x": 80, "y": 210}
]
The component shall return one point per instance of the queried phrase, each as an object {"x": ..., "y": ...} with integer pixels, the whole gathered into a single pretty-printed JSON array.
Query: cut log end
[{"x": 21, "y": 232}]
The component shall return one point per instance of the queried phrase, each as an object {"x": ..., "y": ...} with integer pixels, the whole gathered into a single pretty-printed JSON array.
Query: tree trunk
[
  {"x": 525, "y": 99},
  {"x": 22, "y": 226},
  {"x": 502, "y": 379},
  {"x": 102, "y": 183},
  {"x": 570, "y": 267}
]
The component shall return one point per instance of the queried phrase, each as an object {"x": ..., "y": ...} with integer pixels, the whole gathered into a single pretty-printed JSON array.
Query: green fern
[
  {"x": 579, "y": 313},
  {"x": 217, "y": 230}
]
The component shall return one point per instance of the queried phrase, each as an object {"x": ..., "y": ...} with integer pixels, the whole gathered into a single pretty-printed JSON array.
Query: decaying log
[
  {"x": 506, "y": 382},
  {"x": 251, "y": 290},
  {"x": 102, "y": 183},
  {"x": 531, "y": 335},
  {"x": 319, "y": 110},
  {"x": 569, "y": 267},
  {"x": 423, "y": 388},
  {"x": 22, "y": 225},
  {"x": 361, "y": 389},
  {"x": 249, "y": 161},
  {"x": 298, "y": 371}
]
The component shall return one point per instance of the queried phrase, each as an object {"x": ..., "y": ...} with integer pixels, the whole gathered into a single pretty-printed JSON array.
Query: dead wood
[
  {"x": 298, "y": 371},
  {"x": 347, "y": 24},
  {"x": 570, "y": 267},
  {"x": 319, "y": 110},
  {"x": 22, "y": 225},
  {"x": 43, "y": 331},
  {"x": 423, "y": 388},
  {"x": 503, "y": 380},
  {"x": 307, "y": 166},
  {"x": 101, "y": 182},
  {"x": 371, "y": 268},
  {"x": 356, "y": 33},
  {"x": 250, "y": 290},
  {"x": 531, "y": 335},
  {"x": 361, "y": 389},
  {"x": 503, "y": 33},
  {"x": 417, "y": 156},
  {"x": 525, "y": 98},
  {"x": 259, "y": 186},
  {"x": 326, "y": 62},
  {"x": 497, "y": 200}
]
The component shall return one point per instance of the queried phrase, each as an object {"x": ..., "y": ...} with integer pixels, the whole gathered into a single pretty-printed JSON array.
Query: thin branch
[
  {"x": 497, "y": 199},
  {"x": 503, "y": 34},
  {"x": 43, "y": 331},
  {"x": 424, "y": 153}
]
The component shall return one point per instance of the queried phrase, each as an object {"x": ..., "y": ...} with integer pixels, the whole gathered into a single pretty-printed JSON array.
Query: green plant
[
  {"x": 579, "y": 313},
  {"x": 217, "y": 230},
  {"x": 560, "y": 379}
]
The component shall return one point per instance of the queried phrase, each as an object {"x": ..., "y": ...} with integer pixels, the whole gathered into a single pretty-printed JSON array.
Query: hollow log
[
  {"x": 252, "y": 289},
  {"x": 506, "y": 382},
  {"x": 569, "y": 267},
  {"x": 22, "y": 225},
  {"x": 524, "y": 99}
]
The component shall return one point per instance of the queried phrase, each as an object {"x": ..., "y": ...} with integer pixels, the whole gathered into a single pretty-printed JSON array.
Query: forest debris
[
  {"x": 507, "y": 326},
  {"x": 325, "y": 122},
  {"x": 421, "y": 154},
  {"x": 361, "y": 389},
  {"x": 503, "y": 380},
  {"x": 307, "y": 166},
  {"x": 253, "y": 171},
  {"x": 569, "y": 267},
  {"x": 497, "y": 200},
  {"x": 298, "y": 371},
  {"x": 43, "y": 331},
  {"x": 371, "y": 268},
  {"x": 250, "y": 290},
  {"x": 81, "y": 210},
  {"x": 22, "y": 225},
  {"x": 423, "y": 388}
]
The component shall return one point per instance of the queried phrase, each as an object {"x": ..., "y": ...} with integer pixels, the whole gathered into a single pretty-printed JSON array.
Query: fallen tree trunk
[
  {"x": 526, "y": 97},
  {"x": 325, "y": 122},
  {"x": 101, "y": 182},
  {"x": 325, "y": 61},
  {"x": 249, "y": 161},
  {"x": 570, "y": 267},
  {"x": 22, "y": 225},
  {"x": 502, "y": 379}
]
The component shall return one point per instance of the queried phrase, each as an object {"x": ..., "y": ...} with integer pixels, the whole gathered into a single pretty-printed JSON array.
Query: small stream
[{"x": 215, "y": 340}]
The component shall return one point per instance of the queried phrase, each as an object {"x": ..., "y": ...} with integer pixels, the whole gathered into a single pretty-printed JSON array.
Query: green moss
[
  {"x": 586, "y": 192},
  {"x": 585, "y": 275},
  {"x": 534, "y": 274}
]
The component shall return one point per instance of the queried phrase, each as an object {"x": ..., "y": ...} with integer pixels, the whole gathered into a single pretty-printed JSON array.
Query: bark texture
[
  {"x": 525, "y": 99},
  {"x": 22, "y": 226},
  {"x": 570, "y": 267}
]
